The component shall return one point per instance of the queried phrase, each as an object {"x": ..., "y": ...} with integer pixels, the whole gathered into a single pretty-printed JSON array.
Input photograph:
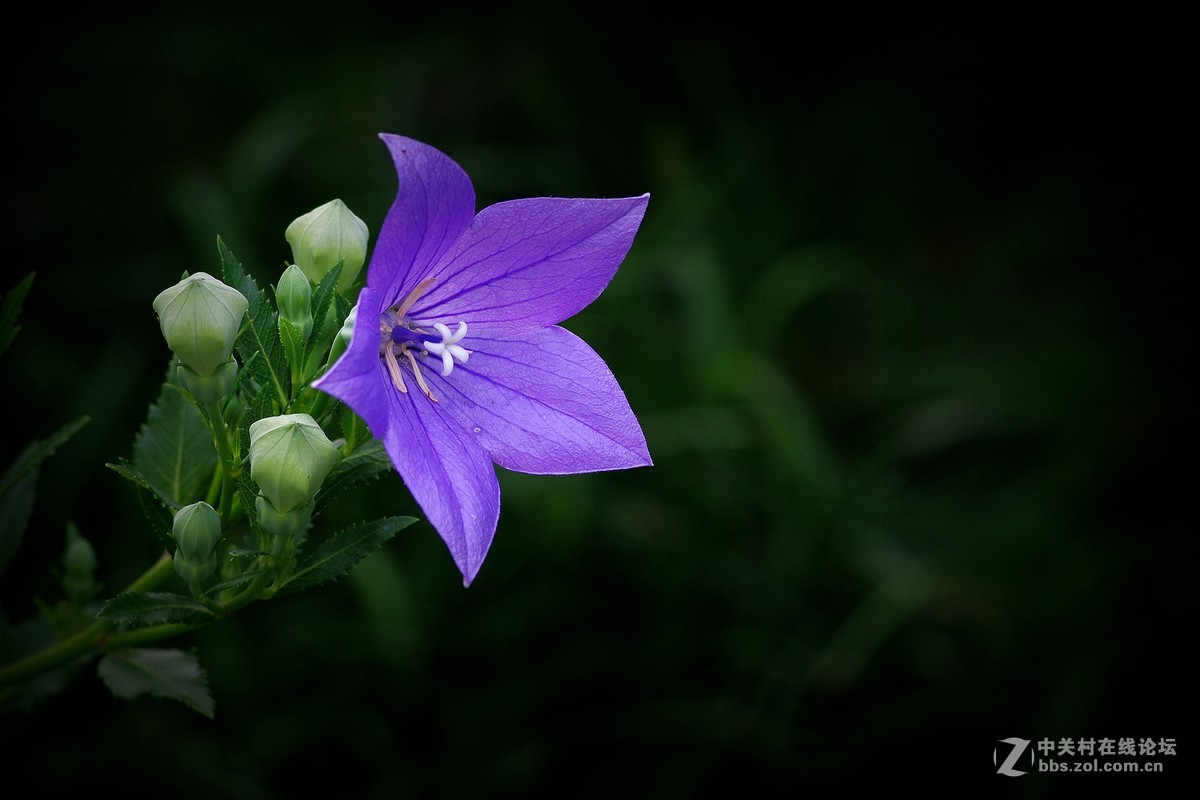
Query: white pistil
[{"x": 449, "y": 348}]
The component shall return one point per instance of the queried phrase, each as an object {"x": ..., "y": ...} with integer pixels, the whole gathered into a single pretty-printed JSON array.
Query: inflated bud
[
  {"x": 289, "y": 458},
  {"x": 326, "y": 235},
  {"x": 79, "y": 567},
  {"x": 197, "y": 530},
  {"x": 294, "y": 296},
  {"x": 200, "y": 318}
]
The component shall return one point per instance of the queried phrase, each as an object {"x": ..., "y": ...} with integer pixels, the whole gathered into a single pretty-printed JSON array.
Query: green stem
[
  {"x": 214, "y": 487},
  {"x": 228, "y": 469},
  {"x": 249, "y": 595},
  {"x": 139, "y": 636},
  {"x": 89, "y": 638},
  {"x": 319, "y": 403}
]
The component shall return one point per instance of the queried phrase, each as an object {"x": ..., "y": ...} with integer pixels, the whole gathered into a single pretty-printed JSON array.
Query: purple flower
[{"x": 456, "y": 360}]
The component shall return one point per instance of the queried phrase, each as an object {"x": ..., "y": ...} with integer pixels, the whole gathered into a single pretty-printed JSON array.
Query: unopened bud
[
  {"x": 289, "y": 458},
  {"x": 294, "y": 296},
  {"x": 200, "y": 318},
  {"x": 326, "y": 235},
  {"x": 79, "y": 567},
  {"x": 197, "y": 530}
]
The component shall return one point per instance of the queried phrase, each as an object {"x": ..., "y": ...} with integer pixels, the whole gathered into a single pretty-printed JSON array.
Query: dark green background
[{"x": 903, "y": 325}]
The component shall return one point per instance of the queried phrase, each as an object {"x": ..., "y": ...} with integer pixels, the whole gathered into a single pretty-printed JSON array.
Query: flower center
[{"x": 400, "y": 338}]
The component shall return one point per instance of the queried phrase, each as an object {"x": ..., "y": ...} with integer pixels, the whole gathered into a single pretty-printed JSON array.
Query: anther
[
  {"x": 389, "y": 358},
  {"x": 413, "y": 296},
  {"x": 417, "y": 374}
]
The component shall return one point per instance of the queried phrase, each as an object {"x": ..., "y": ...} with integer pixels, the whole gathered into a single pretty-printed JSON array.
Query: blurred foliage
[{"x": 899, "y": 325}]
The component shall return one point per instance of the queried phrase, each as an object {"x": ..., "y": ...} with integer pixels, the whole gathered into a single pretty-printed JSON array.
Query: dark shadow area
[{"x": 902, "y": 325}]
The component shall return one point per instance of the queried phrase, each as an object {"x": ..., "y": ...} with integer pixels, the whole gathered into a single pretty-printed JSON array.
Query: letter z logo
[{"x": 1018, "y": 747}]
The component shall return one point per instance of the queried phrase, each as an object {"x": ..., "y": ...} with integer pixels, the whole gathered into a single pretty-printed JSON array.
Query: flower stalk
[
  {"x": 90, "y": 638},
  {"x": 225, "y": 466}
]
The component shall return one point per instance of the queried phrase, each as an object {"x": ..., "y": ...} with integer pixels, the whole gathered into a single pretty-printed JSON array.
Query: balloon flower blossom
[{"x": 456, "y": 359}]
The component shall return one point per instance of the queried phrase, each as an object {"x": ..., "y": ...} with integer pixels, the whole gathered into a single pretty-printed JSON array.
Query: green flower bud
[
  {"x": 326, "y": 235},
  {"x": 200, "y": 318},
  {"x": 294, "y": 296},
  {"x": 79, "y": 567},
  {"x": 79, "y": 559},
  {"x": 289, "y": 458},
  {"x": 197, "y": 530}
]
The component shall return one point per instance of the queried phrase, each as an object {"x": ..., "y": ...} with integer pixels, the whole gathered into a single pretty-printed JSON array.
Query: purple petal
[
  {"x": 533, "y": 262},
  {"x": 450, "y": 476},
  {"x": 359, "y": 378},
  {"x": 433, "y": 207},
  {"x": 540, "y": 400}
]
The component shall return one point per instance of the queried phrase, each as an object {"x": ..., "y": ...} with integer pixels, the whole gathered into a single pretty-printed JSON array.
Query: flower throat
[{"x": 401, "y": 337}]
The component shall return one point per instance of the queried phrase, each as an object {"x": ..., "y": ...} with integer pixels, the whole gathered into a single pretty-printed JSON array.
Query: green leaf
[
  {"x": 323, "y": 299},
  {"x": 158, "y": 509},
  {"x": 341, "y": 310},
  {"x": 293, "y": 346},
  {"x": 258, "y": 342},
  {"x": 160, "y": 517},
  {"x": 234, "y": 582},
  {"x": 10, "y": 309},
  {"x": 247, "y": 492},
  {"x": 323, "y": 334},
  {"x": 138, "y": 610},
  {"x": 246, "y": 552},
  {"x": 263, "y": 405},
  {"x": 16, "y": 507},
  {"x": 36, "y": 452},
  {"x": 361, "y": 466},
  {"x": 173, "y": 452},
  {"x": 354, "y": 430},
  {"x": 125, "y": 469},
  {"x": 171, "y": 674},
  {"x": 338, "y": 554},
  {"x": 18, "y": 487}
]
